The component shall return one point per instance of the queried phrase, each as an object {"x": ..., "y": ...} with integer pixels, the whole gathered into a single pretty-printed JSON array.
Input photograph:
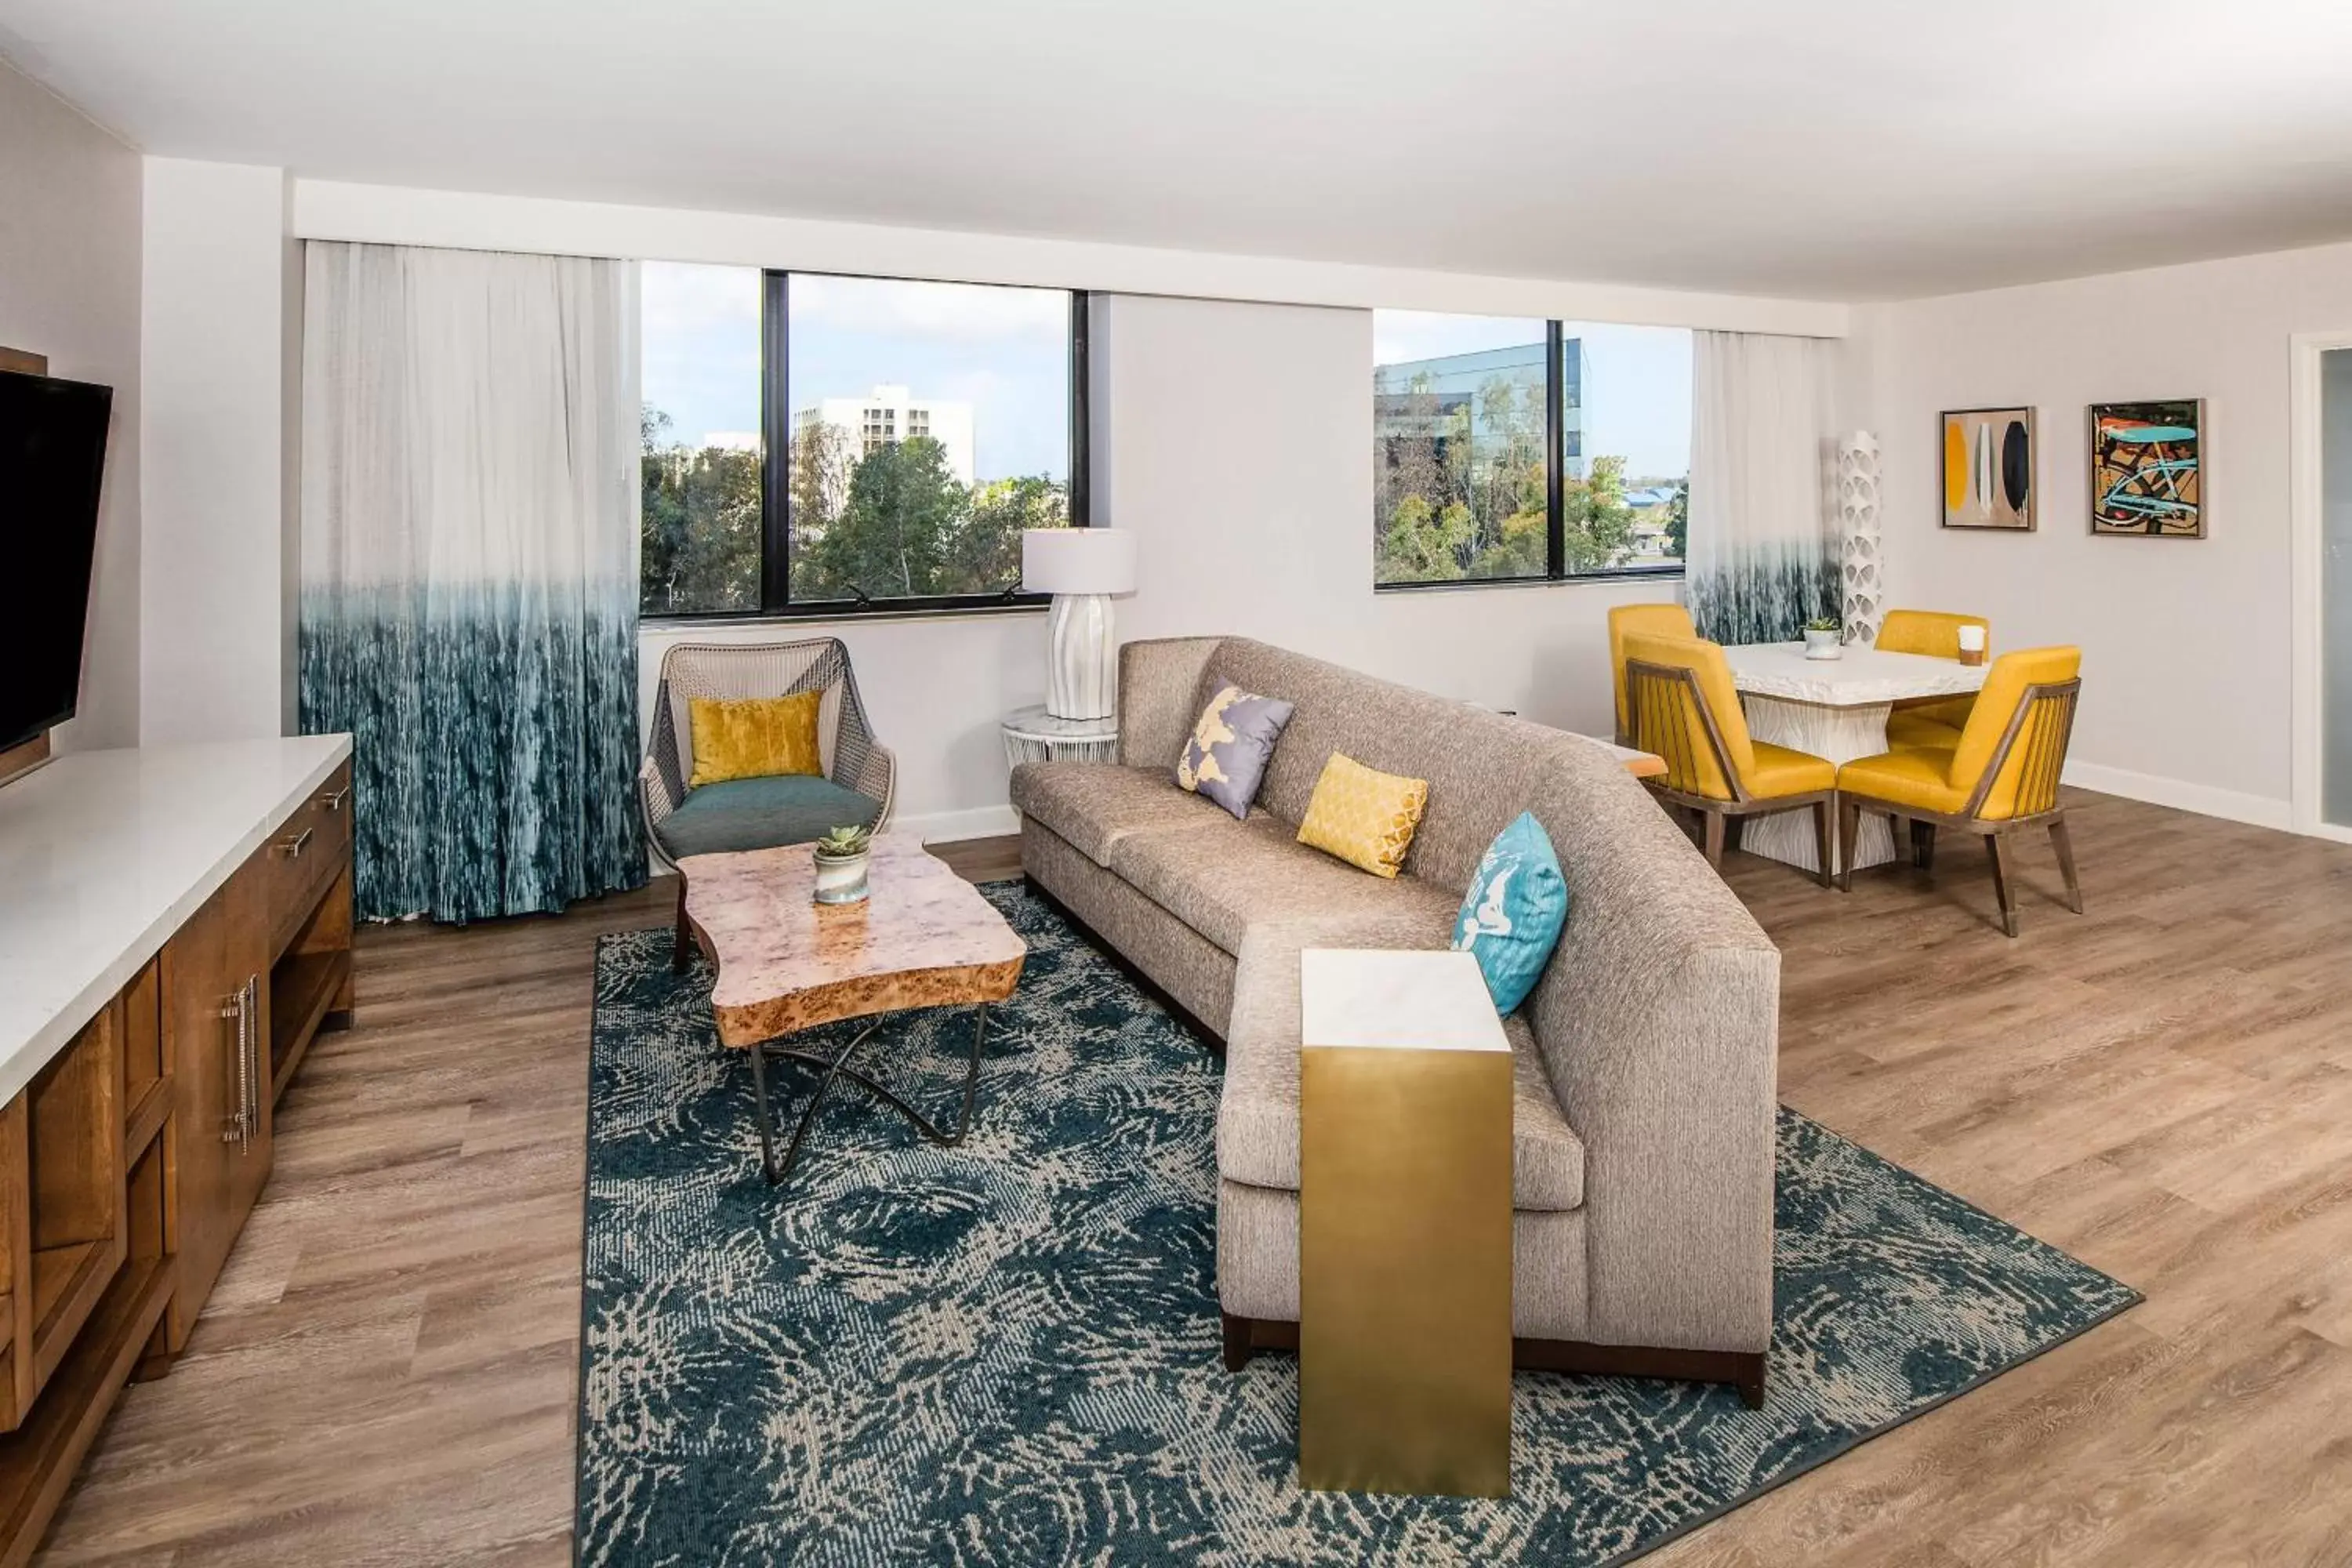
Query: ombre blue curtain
[
  {"x": 1763, "y": 548},
  {"x": 469, "y": 614}
]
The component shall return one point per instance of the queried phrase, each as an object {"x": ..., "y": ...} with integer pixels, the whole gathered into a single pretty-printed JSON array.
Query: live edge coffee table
[{"x": 924, "y": 938}]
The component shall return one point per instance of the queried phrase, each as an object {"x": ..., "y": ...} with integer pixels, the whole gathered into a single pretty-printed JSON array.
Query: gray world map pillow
[{"x": 1227, "y": 753}]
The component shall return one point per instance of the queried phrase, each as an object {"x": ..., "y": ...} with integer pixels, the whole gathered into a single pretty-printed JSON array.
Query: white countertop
[
  {"x": 1418, "y": 999},
  {"x": 1858, "y": 677},
  {"x": 104, "y": 854}
]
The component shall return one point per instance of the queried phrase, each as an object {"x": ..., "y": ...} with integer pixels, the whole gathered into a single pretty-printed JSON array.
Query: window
[
  {"x": 1521, "y": 451},
  {"x": 702, "y": 452},
  {"x": 818, "y": 444}
]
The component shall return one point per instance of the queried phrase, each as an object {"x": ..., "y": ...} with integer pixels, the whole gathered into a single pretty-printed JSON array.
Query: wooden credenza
[{"x": 175, "y": 929}]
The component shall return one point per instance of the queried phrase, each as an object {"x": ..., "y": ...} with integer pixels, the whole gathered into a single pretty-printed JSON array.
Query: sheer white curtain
[
  {"x": 1762, "y": 551},
  {"x": 469, "y": 564}
]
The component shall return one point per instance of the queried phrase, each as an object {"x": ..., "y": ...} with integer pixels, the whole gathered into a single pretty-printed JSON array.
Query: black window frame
[
  {"x": 1555, "y": 506},
  {"x": 776, "y": 601}
]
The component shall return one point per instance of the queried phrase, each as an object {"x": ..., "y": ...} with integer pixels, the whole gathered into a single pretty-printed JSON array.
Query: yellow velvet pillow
[
  {"x": 1364, "y": 816},
  {"x": 754, "y": 738}
]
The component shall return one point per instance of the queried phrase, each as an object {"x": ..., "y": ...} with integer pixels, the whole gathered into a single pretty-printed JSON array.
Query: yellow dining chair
[
  {"x": 1624, "y": 620},
  {"x": 1927, "y": 720},
  {"x": 2000, "y": 779},
  {"x": 1684, "y": 707}
]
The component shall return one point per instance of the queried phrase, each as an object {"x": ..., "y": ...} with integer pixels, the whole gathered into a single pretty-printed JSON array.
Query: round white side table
[{"x": 1034, "y": 735}]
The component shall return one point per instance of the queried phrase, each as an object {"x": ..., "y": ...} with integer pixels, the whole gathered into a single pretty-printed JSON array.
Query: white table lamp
[{"x": 1082, "y": 568}]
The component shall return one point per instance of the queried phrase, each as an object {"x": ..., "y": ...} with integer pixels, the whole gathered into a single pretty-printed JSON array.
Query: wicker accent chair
[{"x": 859, "y": 783}]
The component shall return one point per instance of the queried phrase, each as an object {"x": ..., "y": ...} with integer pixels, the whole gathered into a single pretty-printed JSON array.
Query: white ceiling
[{"x": 1836, "y": 149}]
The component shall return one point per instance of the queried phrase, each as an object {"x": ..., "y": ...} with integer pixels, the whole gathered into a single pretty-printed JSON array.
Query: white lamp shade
[{"x": 1078, "y": 560}]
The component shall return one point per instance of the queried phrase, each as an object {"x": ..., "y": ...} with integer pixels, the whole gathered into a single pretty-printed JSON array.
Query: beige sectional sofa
[{"x": 1643, "y": 1143}]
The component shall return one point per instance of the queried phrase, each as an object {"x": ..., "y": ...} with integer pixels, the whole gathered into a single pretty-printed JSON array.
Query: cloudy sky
[{"x": 1003, "y": 351}]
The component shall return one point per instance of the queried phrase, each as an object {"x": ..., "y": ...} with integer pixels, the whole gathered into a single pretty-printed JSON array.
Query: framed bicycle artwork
[{"x": 2147, "y": 468}]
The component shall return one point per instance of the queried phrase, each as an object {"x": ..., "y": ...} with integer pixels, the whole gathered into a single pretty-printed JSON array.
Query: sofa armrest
[
  {"x": 1157, "y": 680},
  {"x": 1659, "y": 1021}
]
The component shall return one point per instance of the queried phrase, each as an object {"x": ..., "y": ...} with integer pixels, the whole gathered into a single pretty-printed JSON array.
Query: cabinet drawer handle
[
  {"x": 293, "y": 846},
  {"x": 333, "y": 800},
  {"x": 246, "y": 1121}
]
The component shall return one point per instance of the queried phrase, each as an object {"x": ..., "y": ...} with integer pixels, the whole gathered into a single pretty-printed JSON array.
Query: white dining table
[{"x": 1835, "y": 708}]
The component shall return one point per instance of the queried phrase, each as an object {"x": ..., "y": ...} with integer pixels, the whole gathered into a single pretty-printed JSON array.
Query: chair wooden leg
[
  {"x": 681, "y": 952},
  {"x": 1849, "y": 834},
  {"x": 2004, "y": 881},
  {"x": 1923, "y": 846},
  {"x": 1714, "y": 820},
  {"x": 1238, "y": 1347},
  {"x": 1825, "y": 839},
  {"x": 2065, "y": 845}
]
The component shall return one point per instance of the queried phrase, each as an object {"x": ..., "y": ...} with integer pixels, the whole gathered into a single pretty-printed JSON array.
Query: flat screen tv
[{"x": 52, "y": 455}]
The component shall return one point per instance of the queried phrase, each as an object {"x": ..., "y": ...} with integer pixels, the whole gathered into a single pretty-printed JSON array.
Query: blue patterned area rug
[{"x": 1008, "y": 1353}]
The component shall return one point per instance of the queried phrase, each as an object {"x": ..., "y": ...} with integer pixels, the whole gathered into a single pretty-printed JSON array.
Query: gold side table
[{"x": 1404, "y": 1226}]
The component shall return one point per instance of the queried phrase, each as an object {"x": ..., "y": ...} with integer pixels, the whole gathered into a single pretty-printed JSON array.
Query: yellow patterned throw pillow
[
  {"x": 755, "y": 737},
  {"x": 1364, "y": 816}
]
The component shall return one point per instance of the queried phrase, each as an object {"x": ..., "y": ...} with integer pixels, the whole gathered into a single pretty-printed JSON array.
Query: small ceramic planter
[
  {"x": 1822, "y": 644},
  {"x": 842, "y": 880}
]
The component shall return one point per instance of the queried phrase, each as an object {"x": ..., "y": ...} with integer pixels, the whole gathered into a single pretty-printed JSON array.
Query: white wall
[
  {"x": 1200, "y": 392},
  {"x": 217, "y": 445},
  {"x": 70, "y": 261},
  {"x": 1239, "y": 439},
  {"x": 466, "y": 220},
  {"x": 1236, "y": 441},
  {"x": 2186, "y": 670}
]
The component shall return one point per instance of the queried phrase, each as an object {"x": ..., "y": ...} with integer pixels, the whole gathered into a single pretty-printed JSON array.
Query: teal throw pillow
[{"x": 1512, "y": 915}]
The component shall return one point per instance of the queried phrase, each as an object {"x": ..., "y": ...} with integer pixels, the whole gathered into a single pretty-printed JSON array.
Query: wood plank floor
[{"x": 2163, "y": 1086}]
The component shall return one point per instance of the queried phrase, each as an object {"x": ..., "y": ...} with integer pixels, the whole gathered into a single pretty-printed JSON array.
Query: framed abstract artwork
[
  {"x": 1989, "y": 479},
  {"x": 2147, "y": 468}
]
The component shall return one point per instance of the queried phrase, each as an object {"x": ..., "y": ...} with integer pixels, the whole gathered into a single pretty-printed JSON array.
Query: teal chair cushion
[{"x": 759, "y": 814}]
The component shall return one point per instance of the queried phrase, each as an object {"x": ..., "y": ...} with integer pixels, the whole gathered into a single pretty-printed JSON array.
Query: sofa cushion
[
  {"x": 1482, "y": 768},
  {"x": 754, "y": 737},
  {"x": 1231, "y": 742},
  {"x": 1093, "y": 806},
  {"x": 759, "y": 814},
  {"x": 1363, "y": 816},
  {"x": 1223, "y": 877},
  {"x": 1257, "y": 1114},
  {"x": 1511, "y": 917}
]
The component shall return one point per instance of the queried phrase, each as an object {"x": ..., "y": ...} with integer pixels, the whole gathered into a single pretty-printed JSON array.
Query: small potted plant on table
[
  {"x": 841, "y": 857},
  {"x": 1821, "y": 639}
]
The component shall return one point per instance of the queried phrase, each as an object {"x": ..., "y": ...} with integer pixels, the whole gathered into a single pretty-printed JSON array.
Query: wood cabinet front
[
  {"x": 133, "y": 1154},
  {"x": 306, "y": 853},
  {"x": 216, "y": 986}
]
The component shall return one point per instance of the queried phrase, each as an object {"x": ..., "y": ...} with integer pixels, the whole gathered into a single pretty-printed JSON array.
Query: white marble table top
[
  {"x": 1033, "y": 723},
  {"x": 103, "y": 855},
  {"x": 1860, "y": 678},
  {"x": 1421, "y": 999}
]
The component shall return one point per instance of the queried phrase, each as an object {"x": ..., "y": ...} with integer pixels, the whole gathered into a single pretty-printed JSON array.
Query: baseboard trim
[
  {"x": 947, "y": 826},
  {"x": 2205, "y": 800}
]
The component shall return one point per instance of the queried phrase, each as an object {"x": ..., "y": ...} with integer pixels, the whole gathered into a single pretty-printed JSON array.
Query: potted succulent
[
  {"x": 840, "y": 857},
  {"x": 1822, "y": 636}
]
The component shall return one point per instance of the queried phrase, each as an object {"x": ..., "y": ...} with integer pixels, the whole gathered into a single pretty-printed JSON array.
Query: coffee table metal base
[{"x": 838, "y": 1066}]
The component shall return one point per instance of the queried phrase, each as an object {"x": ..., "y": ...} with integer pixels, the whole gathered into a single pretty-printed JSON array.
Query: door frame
[{"x": 2307, "y": 580}]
